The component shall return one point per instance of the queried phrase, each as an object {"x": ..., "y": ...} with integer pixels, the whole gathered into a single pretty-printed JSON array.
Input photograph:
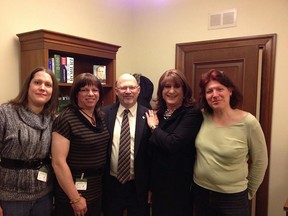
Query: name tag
[
  {"x": 42, "y": 174},
  {"x": 81, "y": 184}
]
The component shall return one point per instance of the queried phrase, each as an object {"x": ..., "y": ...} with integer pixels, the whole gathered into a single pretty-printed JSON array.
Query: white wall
[{"x": 148, "y": 30}]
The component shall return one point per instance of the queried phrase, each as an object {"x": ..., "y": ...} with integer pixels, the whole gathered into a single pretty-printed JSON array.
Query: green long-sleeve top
[{"x": 223, "y": 154}]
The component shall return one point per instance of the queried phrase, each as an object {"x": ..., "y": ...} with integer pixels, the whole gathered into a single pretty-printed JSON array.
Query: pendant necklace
[
  {"x": 168, "y": 113},
  {"x": 93, "y": 121}
]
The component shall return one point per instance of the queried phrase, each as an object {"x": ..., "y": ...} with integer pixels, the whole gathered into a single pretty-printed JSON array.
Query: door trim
[{"x": 268, "y": 45}]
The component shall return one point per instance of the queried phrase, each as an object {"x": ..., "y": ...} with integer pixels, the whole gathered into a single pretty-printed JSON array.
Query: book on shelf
[
  {"x": 51, "y": 64},
  {"x": 70, "y": 69},
  {"x": 63, "y": 102},
  {"x": 100, "y": 72},
  {"x": 57, "y": 67},
  {"x": 63, "y": 74}
]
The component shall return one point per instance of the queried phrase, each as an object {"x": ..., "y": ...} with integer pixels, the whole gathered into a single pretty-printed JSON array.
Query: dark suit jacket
[
  {"x": 141, "y": 159},
  {"x": 173, "y": 160}
]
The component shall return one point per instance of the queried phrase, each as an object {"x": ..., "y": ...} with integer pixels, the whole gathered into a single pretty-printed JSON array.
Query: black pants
[
  {"x": 118, "y": 197},
  {"x": 65, "y": 208},
  {"x": 211, "y": 203}
]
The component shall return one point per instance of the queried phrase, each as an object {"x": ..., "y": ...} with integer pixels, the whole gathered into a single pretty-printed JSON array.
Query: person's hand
[
  {"x": 152, "y": 118},
  {"x": 80, "y": 208},
  {"x": 1, "y": 211}
]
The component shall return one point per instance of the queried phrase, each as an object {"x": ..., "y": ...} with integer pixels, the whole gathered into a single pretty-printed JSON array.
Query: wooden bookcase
[{"x": 40, "y": 45}]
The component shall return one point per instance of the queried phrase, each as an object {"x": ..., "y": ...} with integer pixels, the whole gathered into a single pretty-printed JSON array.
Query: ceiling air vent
[{"x": 222, "y": 19}]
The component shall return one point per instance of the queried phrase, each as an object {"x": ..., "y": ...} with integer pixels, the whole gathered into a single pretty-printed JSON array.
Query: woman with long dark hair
[{"x": 26, "y": 175}]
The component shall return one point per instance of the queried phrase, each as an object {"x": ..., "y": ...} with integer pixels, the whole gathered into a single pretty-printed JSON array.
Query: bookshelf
[{"x": 40, "y": 45}]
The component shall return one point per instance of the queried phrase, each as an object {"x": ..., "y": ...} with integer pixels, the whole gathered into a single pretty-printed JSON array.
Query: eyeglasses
[
  {"x": 125, "y": 88},
  {"x": 87, "y": 91}
]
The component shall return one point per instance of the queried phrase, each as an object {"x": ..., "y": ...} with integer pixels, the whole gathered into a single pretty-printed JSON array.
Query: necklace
[
  {"x": 168, "y": 113},
  {"x": 92, "y": 119}
]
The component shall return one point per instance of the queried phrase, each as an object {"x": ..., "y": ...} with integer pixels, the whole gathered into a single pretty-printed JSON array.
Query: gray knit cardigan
[{"x": 24, "y": 135}]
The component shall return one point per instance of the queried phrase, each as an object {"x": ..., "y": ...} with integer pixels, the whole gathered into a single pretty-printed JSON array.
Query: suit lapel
[
  {"x": 112, "y": 117},
  {"x": 140, "y": 124}
]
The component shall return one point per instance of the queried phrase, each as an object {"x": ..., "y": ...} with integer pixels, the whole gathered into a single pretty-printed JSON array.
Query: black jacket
[
  {"x": 141, "y": 158},
  {"x": 173, "y": 160}
]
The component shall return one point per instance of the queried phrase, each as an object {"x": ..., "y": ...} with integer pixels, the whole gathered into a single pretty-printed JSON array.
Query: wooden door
[{"x": 249, "y": 62}]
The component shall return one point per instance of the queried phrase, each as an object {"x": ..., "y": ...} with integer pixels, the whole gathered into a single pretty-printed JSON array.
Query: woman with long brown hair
[
  {"x": 174, "y": 124},
  {"x": 25, "y": 136}
]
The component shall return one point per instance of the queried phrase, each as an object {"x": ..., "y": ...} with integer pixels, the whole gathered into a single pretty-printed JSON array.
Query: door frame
[{"x": 267, "y": 43}]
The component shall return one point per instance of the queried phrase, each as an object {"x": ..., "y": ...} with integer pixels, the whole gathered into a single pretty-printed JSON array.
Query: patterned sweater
[{"x": 25, "y": 136}]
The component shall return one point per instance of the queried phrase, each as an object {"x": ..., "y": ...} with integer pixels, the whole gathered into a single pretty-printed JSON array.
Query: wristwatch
[{"x": 153, "y": 127}]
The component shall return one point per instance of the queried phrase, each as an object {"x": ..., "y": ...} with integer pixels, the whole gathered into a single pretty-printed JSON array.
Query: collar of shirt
[{"x": 132, "y": 110}]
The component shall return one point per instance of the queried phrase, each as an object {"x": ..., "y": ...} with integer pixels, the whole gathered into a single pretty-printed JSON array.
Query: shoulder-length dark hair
[
  {"x": 50, "y": 108},
  {"x": 178, "y": 78},
  {"x": 80, "y": 81},
  {"x": 236, "y": 97}
]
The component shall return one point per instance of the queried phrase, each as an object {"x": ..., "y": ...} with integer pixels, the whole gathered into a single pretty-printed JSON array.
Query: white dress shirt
[{"x": 116, "y": 139}]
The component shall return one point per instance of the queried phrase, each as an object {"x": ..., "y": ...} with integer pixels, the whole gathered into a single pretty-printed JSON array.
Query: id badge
[
  {"x": 81, "y": 184},
  {"x": 42, "y": 174}
]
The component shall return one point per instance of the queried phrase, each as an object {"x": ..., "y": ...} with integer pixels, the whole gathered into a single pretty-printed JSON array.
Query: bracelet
[
  {"x": 76, "y": 200},
  {"x": 153, "y": 127}
]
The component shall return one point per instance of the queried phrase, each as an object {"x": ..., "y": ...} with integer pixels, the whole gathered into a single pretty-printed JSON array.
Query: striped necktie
[{"x": 124, "y": 150}]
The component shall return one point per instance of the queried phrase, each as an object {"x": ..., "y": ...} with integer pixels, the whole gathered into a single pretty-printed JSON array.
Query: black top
[{"x": 173, "y": 160}]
